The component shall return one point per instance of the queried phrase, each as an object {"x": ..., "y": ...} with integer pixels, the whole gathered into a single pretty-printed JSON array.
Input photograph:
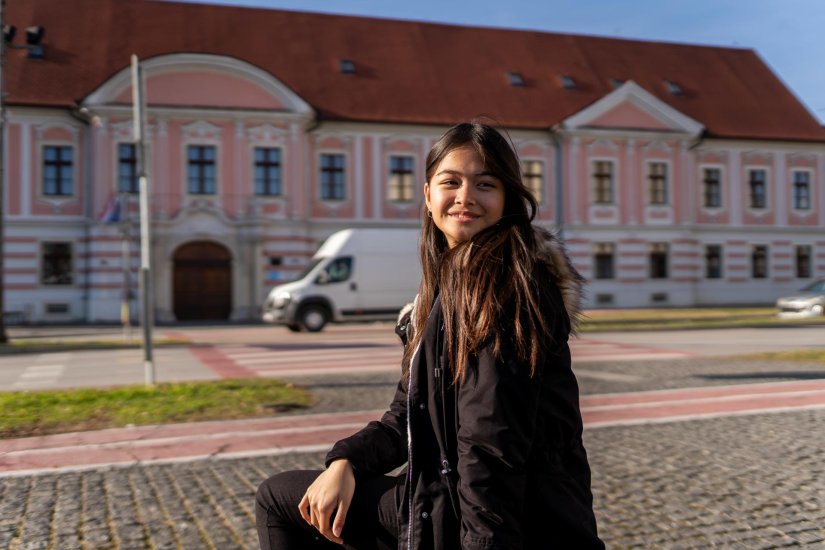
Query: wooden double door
[{"x": 202, "y": 282}]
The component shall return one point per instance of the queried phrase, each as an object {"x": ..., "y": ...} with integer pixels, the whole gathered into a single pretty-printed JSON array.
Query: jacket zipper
[{"x": 410, "y": 452}]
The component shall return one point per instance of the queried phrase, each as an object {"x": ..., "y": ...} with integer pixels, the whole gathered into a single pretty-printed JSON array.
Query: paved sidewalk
[
  {"x": 310, "y": 432},
  {"x": 753, "y": 481}
]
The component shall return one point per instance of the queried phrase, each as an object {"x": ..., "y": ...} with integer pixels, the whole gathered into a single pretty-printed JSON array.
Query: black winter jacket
[{"x": 495, "y": 462}]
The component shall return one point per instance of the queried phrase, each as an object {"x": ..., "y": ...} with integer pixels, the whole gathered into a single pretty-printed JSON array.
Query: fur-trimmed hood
[{"x": 571, "y": 284}]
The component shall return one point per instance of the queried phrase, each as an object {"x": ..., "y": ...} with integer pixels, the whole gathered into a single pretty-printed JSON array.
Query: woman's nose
[{"x": 464, "y": 195}]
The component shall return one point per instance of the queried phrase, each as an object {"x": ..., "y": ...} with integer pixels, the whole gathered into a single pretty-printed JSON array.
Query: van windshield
[{"x": 309, "y": 267}]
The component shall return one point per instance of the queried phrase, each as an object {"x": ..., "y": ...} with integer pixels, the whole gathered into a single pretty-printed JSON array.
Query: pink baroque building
[{"x": 679, "y": 175}]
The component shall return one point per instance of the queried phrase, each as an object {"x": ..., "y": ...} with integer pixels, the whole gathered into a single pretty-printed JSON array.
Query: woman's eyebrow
[{"x": 460, "y": 173}]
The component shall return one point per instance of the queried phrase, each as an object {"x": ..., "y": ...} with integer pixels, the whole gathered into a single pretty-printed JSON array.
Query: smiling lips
[{"x": 463, "y": 216}]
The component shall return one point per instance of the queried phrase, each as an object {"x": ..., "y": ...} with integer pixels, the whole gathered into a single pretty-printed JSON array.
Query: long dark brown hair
[{"x": 488, "y": 295}]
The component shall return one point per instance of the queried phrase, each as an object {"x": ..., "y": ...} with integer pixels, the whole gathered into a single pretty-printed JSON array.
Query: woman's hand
[{"x": 330, "y": 492}]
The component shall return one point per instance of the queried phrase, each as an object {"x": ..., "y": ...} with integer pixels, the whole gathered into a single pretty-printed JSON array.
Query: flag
[{"x": 112, "y": 213}]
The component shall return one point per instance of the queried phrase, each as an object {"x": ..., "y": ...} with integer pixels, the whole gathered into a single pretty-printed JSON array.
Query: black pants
[{"x": 371, "y": 522}]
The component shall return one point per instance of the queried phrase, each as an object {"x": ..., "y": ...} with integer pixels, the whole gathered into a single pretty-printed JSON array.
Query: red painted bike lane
[{"x": 316, "y": 432}]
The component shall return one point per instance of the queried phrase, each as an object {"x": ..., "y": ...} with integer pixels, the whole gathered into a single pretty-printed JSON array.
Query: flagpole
[{"x": 146, "y": 309}]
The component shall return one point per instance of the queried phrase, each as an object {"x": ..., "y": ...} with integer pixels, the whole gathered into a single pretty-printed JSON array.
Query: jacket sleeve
[
  {"x": 381, "y": 445},
  {"x": 498, "y": 405}
]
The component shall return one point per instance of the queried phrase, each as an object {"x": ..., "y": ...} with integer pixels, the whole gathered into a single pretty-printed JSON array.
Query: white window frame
[
  {"x": 116, "y": 168},
  {"x": 811, "y": 191},
  {"x": 614, "y": 190},
  {"x": 668, "y": 187},
  {"x": 811, "y": 259},
  {"x": 613, "y": 254},
  {"x": 388, "y": 171},
  {"x": 767, "y": 262},
  {"x": 347, "y": 191},
  {"x": 721, "y": 276},
  {"x": 722, "y": 188},
  {"x": 262, "y": 145},
  {"x": 40, "y": 264},
  {"x": 541, "y": 200},
  {"x": 746, "y": 187},
  {"x": 41, "y": 173},
  {"x": 201, "y": 142},
  {"x": 668, "y": 260}
]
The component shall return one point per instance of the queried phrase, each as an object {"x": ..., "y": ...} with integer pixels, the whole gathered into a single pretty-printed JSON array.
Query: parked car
[
  {"x": 357, "y": 274},
  {"x": 808, "y": 302}
]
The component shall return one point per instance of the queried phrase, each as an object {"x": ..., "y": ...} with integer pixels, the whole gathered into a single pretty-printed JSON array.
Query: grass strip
[
  {"x": 642, "y": 314},
  {"x": 30, "y": 413},
  {"x": 799, "y": 355},
  {"x": 687, "y": 318},
  {"x": 677, "y": 324}
]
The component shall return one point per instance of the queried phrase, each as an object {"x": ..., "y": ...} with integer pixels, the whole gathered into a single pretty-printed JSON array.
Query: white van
[{"x": 357, "y": 274}]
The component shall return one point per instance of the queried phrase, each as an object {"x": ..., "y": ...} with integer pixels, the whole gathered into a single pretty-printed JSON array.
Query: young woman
[{"x": 486, "y": 415}]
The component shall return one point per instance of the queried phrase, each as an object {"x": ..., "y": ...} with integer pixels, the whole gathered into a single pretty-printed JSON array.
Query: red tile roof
[{"x": 408, "y": 72}]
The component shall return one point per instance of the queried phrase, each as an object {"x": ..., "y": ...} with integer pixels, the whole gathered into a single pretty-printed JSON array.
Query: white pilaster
[
  {"x": 100, "y": 160},
  {"x": 632, "y": 184},
  {"x": 819, "y": 187},
  {"x": 425, "y": 150},
  {"x": 164, "y": 177},
  {"x": 26, "y": 183},
  {"x": 572, "y": 181},
  {"x": 780, "y": 189},
  {"x": 685, "y": 185},
  {"x": 377, "y": 181},
  {"x": 293, "y": 171},
  {"x": 735, "y": 182},
  {"x": 359, "y": 187},
  {"x": 239, "y": 186}
]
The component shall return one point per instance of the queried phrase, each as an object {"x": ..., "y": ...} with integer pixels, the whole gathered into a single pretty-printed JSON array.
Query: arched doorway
[{"x": 202, "y": 286}]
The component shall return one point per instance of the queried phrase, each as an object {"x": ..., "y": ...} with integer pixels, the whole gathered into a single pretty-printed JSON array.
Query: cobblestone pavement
[{"x": 754, "y": 481}]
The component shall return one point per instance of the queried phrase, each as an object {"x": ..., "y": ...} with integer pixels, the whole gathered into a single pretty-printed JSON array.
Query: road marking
[
  {"x": 608, "y": 376},
  {"x": 394, "y": 355},
  {"x": 586, "y": 349},
  {"x": 292, "y": 360},
  {"x": 45, "y": 371},
  {"x": 37, "y": 376},
  {"x": 55, "y": 357}
]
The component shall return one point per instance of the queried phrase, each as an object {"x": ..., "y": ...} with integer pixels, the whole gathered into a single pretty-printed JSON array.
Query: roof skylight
[
  {"x": 347, "y": 66},
  {"x": 567, "y": 82},
  {"x": 516, "y": 80},
  {"x": 674, "y": 88}
]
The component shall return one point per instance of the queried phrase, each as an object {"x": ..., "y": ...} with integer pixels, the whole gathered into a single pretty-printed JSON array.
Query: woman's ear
[{"x": 427, "y": 195}]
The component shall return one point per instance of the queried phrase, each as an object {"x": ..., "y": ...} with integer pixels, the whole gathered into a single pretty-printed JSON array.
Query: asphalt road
[{"x": 266, "y": 351}]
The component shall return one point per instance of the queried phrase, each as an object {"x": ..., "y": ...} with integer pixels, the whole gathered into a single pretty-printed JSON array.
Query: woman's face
[{"x": 462, "y": 197}]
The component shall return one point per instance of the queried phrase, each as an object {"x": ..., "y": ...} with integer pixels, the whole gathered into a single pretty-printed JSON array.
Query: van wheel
[
  {"x": 313, "y": 317},
  {"x": 294, "y": 327},
  {"x": 818, "y": 309}
]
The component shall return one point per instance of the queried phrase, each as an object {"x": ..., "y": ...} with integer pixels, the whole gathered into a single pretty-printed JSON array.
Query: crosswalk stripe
[
  {"x": 327, "y": 359},
  {"x": 337, "y": 360}
]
